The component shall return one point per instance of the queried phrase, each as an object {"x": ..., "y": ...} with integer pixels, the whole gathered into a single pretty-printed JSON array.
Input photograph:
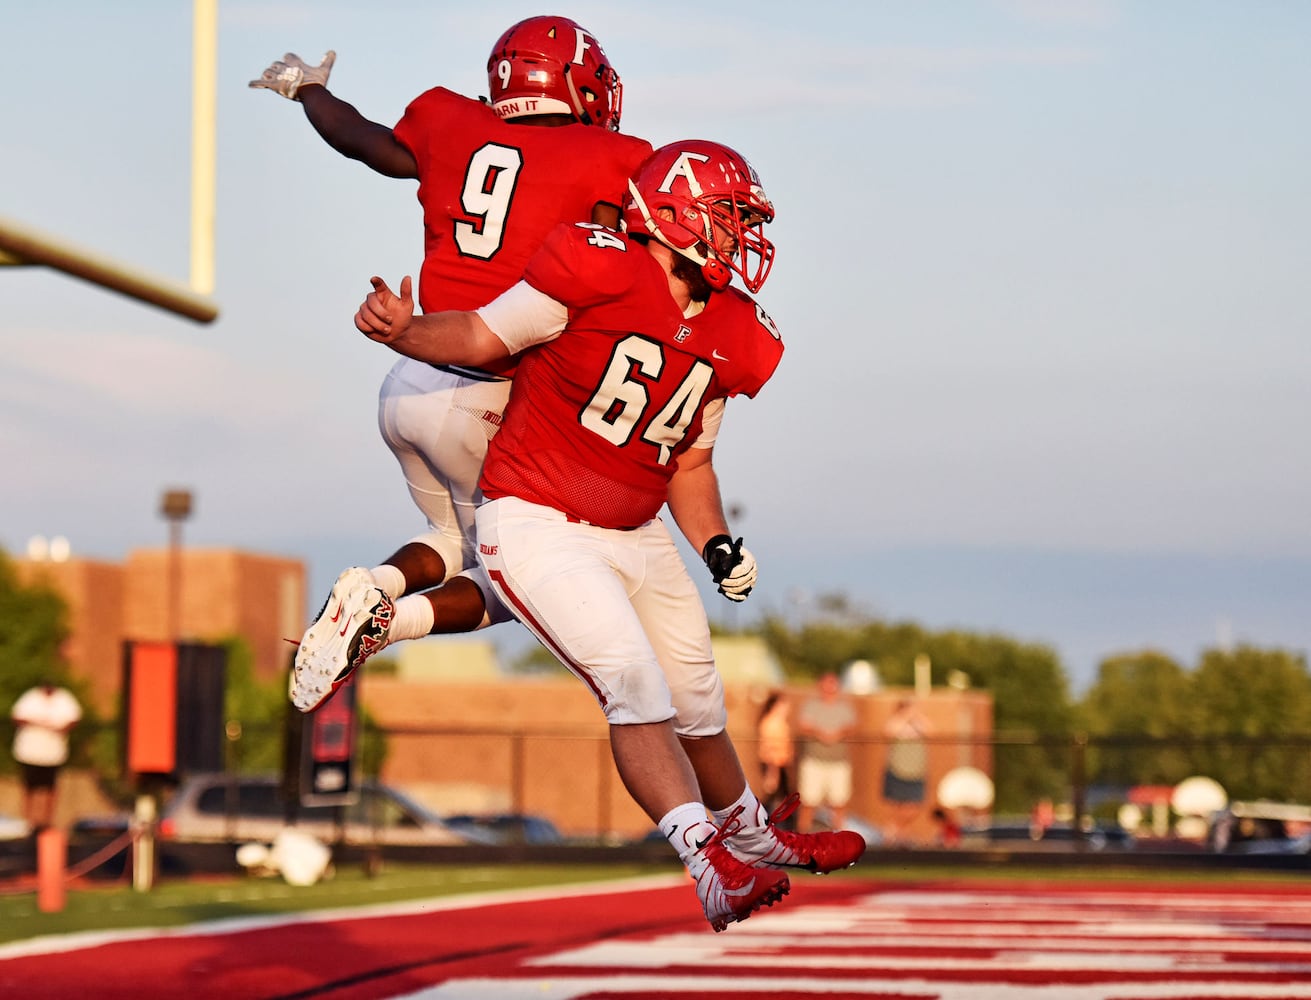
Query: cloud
[
  {"x": 117, "y": 373},
  {"x": 262, "y": 15},
  {"x": 134, "y": 371},
  {"x": 1063, "y": 13},
  {"x": 896, "y": 77}
]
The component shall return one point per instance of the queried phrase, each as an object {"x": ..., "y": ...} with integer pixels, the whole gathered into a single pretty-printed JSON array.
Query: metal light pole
[{"x": 175, "y": 508}]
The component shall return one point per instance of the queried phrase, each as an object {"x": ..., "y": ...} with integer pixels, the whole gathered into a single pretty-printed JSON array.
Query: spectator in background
[
  {"x": 776, "y": 749},
  {"x": 908, "y": 765},
  {"x": 826, "y": 722},
  {"x": 43, "y": 717},
  {"x": 949, "y": 831},
  {"x": 1042, "y": 817}
]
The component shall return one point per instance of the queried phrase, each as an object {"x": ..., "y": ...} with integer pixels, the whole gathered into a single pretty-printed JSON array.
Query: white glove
[
  {"x": 290, "y": 73},
  {"x": 731, "y": 566}
]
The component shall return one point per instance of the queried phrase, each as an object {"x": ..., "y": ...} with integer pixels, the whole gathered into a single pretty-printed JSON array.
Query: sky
[{"x": 1041, "y": 276}]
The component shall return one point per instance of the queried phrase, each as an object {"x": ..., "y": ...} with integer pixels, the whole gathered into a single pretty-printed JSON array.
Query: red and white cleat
[
  {"x": 774, "y": 847},
  {"x": 731, "y": 890},
  {"x": 351, "y": 627}
]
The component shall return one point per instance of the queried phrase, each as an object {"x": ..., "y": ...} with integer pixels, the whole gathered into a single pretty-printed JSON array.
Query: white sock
[
  {"x": 753, "y": 814},
  {"x": 686, "y": 827},
  {"x": 389, "y": 579},
  {"x": 412, "y": 618}
]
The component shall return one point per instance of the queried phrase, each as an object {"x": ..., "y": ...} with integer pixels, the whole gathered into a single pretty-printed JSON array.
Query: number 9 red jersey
[{"x": 491, "y": 191}]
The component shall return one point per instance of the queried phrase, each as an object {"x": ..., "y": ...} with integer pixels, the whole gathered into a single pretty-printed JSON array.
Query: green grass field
[{"x": 177, "y": 902}]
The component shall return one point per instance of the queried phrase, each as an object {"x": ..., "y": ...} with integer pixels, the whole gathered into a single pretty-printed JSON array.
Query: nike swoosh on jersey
[{"x": 717, "y": 356}]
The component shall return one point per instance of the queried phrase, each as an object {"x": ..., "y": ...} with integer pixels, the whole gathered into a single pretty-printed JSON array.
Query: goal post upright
[
  {"x": 22, "y": 245},
  {"x": 204, "y": 146}
]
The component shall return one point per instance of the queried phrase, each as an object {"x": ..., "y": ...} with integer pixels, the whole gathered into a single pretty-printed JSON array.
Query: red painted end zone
[{"x": 841, "y": 937}]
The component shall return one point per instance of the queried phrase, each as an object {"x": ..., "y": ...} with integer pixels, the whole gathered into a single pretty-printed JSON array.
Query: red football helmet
[
  {"x": 551, "y": 65},
  {"x": 704, "y": 185}
]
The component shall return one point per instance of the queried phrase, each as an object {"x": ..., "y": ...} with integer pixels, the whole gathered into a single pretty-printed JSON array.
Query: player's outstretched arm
[
  {"x": 351, "y": 134},
  {"x": 451, "y": 337},
  {"x": 339, "y": 124}
]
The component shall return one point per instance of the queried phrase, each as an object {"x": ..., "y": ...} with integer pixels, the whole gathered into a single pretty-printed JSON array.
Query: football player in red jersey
[
  {"x": 631, "y": 344},
  {"x": 491, "y": 190}
]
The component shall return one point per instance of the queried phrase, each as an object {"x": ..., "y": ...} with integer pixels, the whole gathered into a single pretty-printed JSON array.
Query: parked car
[
  {"x": 13, "y": 828},
  {"x": 1260, "y": 828},
  {"x": 506, "y": 828},
  {"x": 236, "y": 808},
  {"x": 1055, "y": 837}
]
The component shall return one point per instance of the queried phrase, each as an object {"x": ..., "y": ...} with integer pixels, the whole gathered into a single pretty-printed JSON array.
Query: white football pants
[
  {"x": 438, "y": 424},
  {"x": 616, "y": 607}
]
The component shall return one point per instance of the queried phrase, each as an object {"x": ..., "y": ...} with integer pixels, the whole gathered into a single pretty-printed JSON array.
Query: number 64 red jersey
[{"x": 599, "y": 415}]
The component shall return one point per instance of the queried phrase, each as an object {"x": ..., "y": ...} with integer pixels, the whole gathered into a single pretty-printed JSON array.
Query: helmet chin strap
[
  {"x": 716, "y": 272},
  {"x": 652, "y": 224},
  {"x": 580, "y": 112}
]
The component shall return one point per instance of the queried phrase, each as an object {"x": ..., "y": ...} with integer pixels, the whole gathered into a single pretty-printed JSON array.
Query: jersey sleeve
[
  {"x": 711, "y": 419},
  {"x": 768, "y": 357},
  {"x": 756, "y": 347},
  {"x": 24, "y": 708},
  {"x": 616, "y": 160},
  {"x": 425, "y": 115},
  {"x": 581, "y": 265},
  {"x": 522, "y": 317},
  {"x": 69, "y": 707}
]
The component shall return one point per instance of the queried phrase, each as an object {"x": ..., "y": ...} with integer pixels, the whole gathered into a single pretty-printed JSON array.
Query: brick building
[
  {"x": 463, "y": 738},
  {"x": 204, "y": 595},
  {"x": 460, "y": 735},
  {"x": 541, "y": 746}
]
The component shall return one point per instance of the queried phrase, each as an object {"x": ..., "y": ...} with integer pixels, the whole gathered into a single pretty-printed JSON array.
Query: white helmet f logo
[{"x": 581, "y": 45}]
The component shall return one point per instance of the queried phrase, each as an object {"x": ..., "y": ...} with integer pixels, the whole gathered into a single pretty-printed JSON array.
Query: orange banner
[{"x": 153, "y": 709}]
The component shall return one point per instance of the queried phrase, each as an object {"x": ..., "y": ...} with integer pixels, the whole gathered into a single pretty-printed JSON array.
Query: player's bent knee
[
  {"x": 451, "y": 550},
  {"x": 494, "y": 611},
  {"x": 709, "y": 721},
  {"x": 638, "y": 695},
  {"x": 699, "y": 709}
]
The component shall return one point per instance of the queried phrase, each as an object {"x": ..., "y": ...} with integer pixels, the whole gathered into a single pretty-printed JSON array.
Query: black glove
[{"x": 731, "y": 566}]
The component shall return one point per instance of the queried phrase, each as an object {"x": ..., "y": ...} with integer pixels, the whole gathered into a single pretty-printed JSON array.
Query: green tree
[
  {"x": 1138, "y": 711},
  {"x": 537, "y": 661},
  {"x": 254, "y": 712},
  {"x": 1142, "y": 694},
  {"x": 839, "y": 635},
  {"x": 1030, "y": 690},
  {"x": 258, "y": 719},
  {"x": 1252, "y": 709},
  {"x": 1032, "y": 710},
  {"x": 35, "y": 628}
]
